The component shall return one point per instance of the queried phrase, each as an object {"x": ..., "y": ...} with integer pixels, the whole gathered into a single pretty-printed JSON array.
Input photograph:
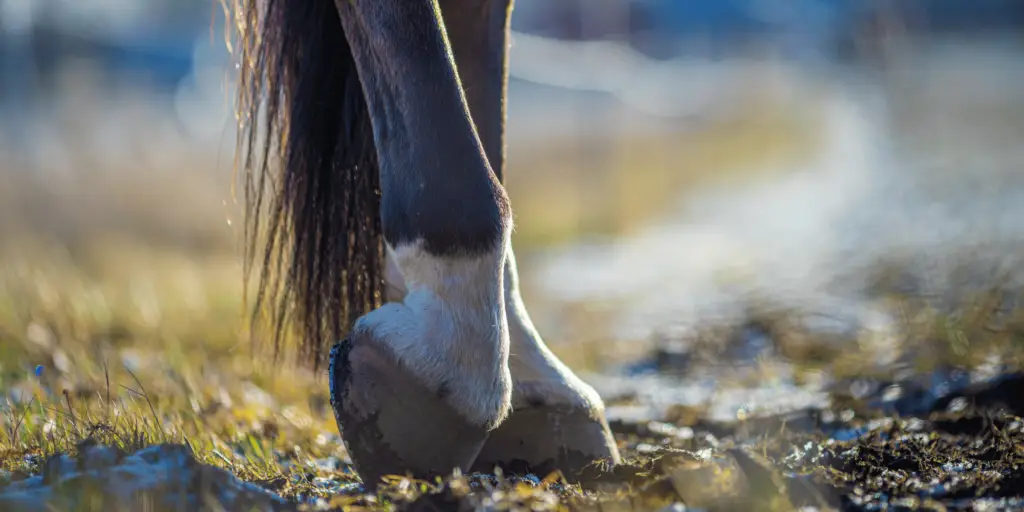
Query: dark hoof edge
[
  {"x": 543, "y": 439},
  {"x": 391, "y": 423}
]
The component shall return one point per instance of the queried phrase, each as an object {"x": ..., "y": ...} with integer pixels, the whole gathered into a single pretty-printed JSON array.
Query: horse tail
[{"x": 311, "y": 177}]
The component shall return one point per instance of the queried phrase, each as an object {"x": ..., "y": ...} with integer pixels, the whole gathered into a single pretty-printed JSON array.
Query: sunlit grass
[{"x": 155, "y": 351}]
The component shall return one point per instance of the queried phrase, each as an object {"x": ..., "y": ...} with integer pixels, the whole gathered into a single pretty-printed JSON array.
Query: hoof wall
[
  {"x": 541, "y": 440},
  {"x": 391, "y": 423}
]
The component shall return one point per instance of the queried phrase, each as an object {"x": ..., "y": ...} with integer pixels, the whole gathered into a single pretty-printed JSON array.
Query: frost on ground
[{"x": 160, "y": 477}]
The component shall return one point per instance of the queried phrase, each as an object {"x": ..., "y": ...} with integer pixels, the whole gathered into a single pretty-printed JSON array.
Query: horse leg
[
  {"x": 420, "y": 383},
  {"x": 557, "y": 420}
]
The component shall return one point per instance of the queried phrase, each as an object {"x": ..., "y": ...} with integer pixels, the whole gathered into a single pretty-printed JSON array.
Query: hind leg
[{"x": 557, "y": 421}]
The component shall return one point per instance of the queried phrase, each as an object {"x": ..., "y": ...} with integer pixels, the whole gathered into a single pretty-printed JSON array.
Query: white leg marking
[
  {"x": 539, "y": 376},
  {"x": 450, "y": 330}
]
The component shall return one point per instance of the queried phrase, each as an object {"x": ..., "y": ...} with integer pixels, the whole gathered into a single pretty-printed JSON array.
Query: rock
[{"x": 160, "y": 477}]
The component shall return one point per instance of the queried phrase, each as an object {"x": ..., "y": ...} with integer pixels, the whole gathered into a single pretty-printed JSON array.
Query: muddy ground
[
  {"x": 946, "y": 440},
  {"x": 898, "y": 447}
]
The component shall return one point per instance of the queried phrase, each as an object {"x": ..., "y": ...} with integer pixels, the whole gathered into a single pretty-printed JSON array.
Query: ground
[
  {"x": 148, "y": 352},
  {"x": 130, "y": 380}
]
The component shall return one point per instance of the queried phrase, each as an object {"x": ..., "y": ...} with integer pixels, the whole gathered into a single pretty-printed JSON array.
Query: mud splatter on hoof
[
  {"x": 543, "y": 439},
  {"x": 391, "y": 423}
]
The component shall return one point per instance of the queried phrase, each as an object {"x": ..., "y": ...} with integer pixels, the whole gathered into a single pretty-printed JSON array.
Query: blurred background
[{"x": 671, "y": 163}]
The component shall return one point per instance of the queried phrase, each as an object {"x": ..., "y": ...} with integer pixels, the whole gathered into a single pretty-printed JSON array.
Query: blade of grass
[{"x": 152, "y": 409}]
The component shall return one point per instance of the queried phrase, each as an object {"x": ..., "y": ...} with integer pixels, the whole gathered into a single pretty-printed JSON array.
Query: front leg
[{"x": 421, "y": 383}]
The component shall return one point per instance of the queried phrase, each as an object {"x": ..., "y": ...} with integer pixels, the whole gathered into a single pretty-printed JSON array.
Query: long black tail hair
[{"x": 311, "y": 176}]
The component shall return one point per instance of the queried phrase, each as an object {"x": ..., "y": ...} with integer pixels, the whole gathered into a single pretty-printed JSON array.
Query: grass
[{"x": 154, "y": 355}]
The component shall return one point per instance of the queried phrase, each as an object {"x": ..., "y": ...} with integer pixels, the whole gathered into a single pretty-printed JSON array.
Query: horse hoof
[
  {"x": 391, "y": 423},
  {"x": 543, "y": 439}
]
